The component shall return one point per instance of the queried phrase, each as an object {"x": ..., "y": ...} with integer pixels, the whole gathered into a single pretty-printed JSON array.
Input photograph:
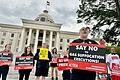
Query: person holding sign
[
  {"x": 26, "y": 72},
  {"x": 66, "y": 73},
  {"x": 43, "y": 57},
  {"x": 53, "y": 63},
  {"x": 113, "y": 59},
  {"x": 5, "y": 68},
  {"x": 84, "y": 74}
]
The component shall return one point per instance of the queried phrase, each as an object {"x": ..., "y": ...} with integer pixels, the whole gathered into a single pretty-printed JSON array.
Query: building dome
[{"x": 44, "y": 17}]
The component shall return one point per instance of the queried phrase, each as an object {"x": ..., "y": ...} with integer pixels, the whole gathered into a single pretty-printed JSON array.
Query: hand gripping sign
[
  {"x": 23, "y": 62},
  {"x": 43, "y": 55},
  {"x": 6, "y": 58}
]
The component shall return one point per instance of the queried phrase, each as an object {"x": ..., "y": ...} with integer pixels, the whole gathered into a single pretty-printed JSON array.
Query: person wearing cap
[{"x": 78, "y": 74}]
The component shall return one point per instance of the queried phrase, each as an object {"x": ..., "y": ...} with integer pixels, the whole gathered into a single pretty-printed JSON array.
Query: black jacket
[{"x": 42, "y": 63}]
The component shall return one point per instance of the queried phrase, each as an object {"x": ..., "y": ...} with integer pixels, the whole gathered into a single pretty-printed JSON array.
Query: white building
[{"x": 35, "y": 32}]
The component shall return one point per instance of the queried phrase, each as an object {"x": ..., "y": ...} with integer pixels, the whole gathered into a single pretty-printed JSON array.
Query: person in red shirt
[{"x": 113, "y": 59}]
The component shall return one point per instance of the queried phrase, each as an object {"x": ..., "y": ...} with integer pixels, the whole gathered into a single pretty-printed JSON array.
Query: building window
[
  {"x": 18, "y": 42},
  {"x": 53, "y": 36},
  {"x": 60, "y": 47},
  {"x": 27, "y": 33},
  {"x": 26, "y": 41},
  {"x": 4, "y": 33},
  {"x": 53, "y": 43},
  {"x": 42, "y": 19},
  {"x": 19, "y": 35},
  {"x": 12, "y": 35},
  {"x": 34, "y": 34},
  {"x": 68, "y": 40},
  {"x": 2, "y": 41},
  {"x": 61, "y": 40},
  {"x": 16, "y": 49},
  {"x": 11, "y": 40}
]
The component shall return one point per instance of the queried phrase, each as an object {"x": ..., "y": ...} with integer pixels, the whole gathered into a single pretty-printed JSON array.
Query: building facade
[{"x": 35, "y": 32}]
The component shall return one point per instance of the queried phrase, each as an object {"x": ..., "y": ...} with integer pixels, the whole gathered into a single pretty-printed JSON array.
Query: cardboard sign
[
  {"x": 43, "y": 54},
  {"x": 116, "y": 69},
  {"x": 6, "y": 58},
  {"x": 88, "y": 57},
  {"x": 23, "y": 62}
]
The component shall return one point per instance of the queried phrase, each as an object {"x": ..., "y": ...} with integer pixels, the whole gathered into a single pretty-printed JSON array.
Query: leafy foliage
[
  {"x": 104, "y": 13},
  {"x": 109, "y": 47}
]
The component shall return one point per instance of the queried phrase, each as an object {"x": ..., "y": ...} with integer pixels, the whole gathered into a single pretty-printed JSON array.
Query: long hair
[
  {"x": 54, "y": 52},
  {"x": 6, "y": 46},
  {"x": 25, "y": 49}
]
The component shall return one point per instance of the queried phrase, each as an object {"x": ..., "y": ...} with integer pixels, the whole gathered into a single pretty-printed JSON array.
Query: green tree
[{"x": 104, "y": 13}]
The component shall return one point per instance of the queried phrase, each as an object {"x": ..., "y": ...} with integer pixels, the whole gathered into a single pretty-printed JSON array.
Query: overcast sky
[{"x": 62, "y": 11}]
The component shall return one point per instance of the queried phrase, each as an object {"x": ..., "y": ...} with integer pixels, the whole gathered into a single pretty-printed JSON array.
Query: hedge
[{"x": 116, "y": 47}]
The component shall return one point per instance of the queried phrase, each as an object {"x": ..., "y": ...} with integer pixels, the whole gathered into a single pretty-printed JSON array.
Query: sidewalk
[{"x": 13, "y": 74}]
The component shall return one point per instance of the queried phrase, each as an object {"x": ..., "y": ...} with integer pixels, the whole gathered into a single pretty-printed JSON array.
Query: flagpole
[{"x": 46, "y": 6}]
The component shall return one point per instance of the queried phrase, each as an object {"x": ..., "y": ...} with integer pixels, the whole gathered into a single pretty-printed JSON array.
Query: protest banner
[
  {"x": 87, "y": 57},
  {"x": 6, "y": 58},
  {"x": 23, "y": 62},
  {"x": 63, "y": 64},
  {"x": 43, "y": 54},
  {"x": 115, "y": 69}
]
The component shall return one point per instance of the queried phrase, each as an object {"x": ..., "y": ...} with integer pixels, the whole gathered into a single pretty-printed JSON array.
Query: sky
[{"x": 62, "y": 11}]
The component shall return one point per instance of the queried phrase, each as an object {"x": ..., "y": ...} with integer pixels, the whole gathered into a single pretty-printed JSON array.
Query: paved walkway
[{"x": 13, "y": 75}]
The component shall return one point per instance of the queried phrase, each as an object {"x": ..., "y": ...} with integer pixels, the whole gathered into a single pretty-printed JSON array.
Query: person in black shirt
[
  {"x": 5, "y": 68},
  {"x": 26, "y": 72},
  {"x": 42, "y": 66},
  {"x": 84, "y": 74}
]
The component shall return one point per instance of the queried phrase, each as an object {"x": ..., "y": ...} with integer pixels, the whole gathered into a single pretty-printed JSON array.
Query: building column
[
  {"x": 57, "y": 41},
  {"x": 44, "y": 36},
  {"x": 50, "y": 42},
  {"x": 21, "y": 40},
  {"x": 29, "y": 37},
  {"x": 36, "y": 41}
]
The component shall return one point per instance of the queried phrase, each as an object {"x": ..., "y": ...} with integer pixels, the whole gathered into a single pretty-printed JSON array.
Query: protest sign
[
  {"x": 88, "y": 57},
  {"x": 63, "y": 64},
  {"x": 23, "y": 62},
  {"x": 43, "y": 54},
  {"x": 6, "y": 58},
  {"x": 116, "y": 69}
]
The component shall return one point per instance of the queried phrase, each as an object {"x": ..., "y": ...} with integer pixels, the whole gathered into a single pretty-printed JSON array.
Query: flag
[{"x": 48, "y": 3}]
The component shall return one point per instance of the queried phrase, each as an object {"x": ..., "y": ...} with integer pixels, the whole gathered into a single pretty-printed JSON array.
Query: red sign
[
  {"x": 24, "y": 62},
  {"x": 6, "y": 58},
  {"x": 116, "y": 69},
  {"x": 23, "y": 67},
  {"x": 89, "y": 57},
  {"x": 63, "y": 64},
  {"x": 97, "y": 67},
  {"x": 54, "y": 60}
]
